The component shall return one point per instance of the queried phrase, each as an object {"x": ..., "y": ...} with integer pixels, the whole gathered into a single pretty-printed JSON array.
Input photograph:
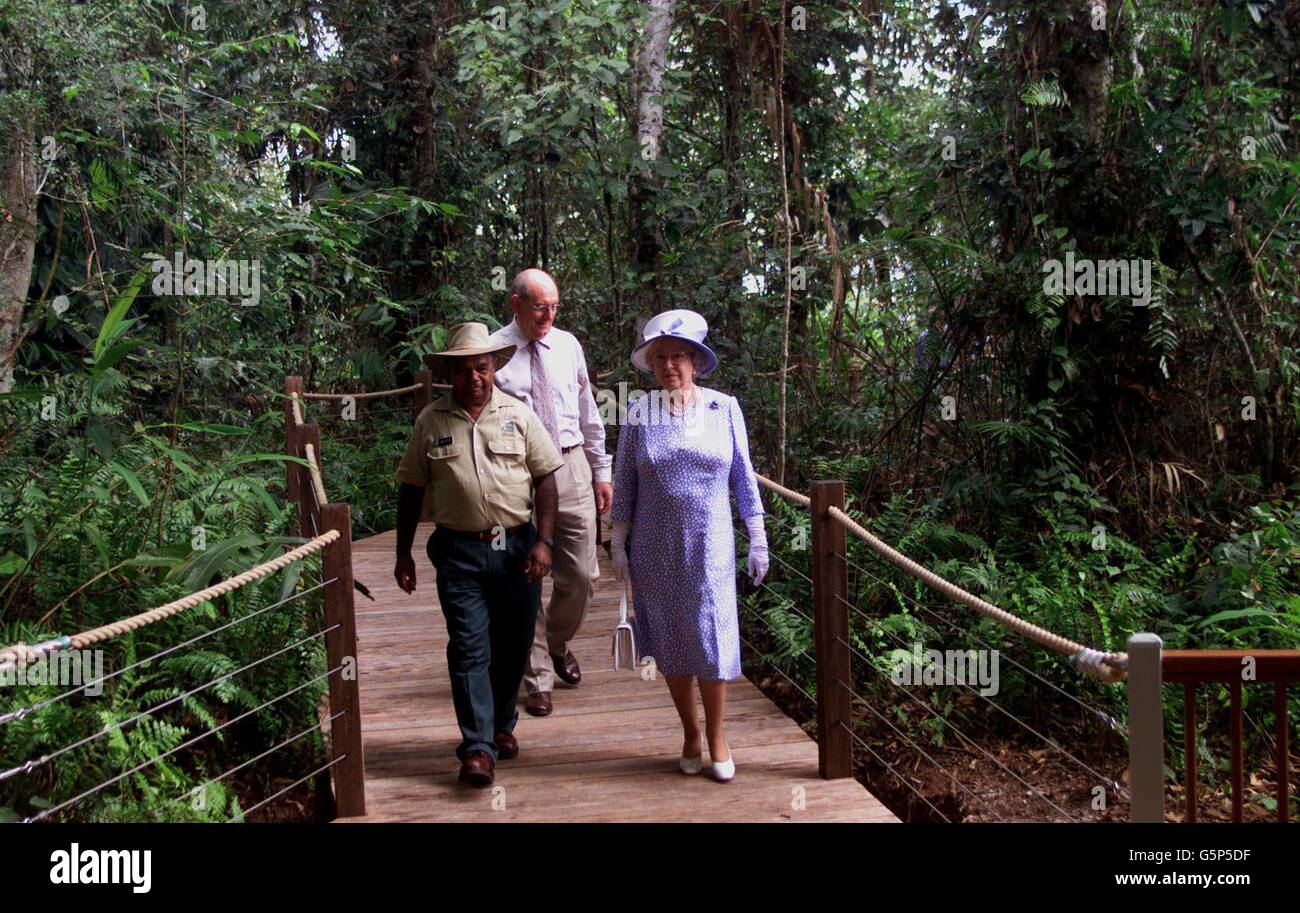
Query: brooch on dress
[{"x": 713, "y": 405}]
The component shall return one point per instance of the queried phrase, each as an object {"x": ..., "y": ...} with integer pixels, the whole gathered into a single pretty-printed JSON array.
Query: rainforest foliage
[{"x": 1022, "y": 273}]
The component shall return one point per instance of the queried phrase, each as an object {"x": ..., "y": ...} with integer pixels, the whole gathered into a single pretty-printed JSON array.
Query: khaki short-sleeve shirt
[{"x": 481, "y": 472}]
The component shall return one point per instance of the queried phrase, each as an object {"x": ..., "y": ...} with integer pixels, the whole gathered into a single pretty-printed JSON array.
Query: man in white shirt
[{"x": 549, "y": 372}]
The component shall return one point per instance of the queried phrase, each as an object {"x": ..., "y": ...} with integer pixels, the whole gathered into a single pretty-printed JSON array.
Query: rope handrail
[
  {"x": 317, "y": 483},
  {"x": 788, "y": 494},
  {"x": 296, "y": 400},
  {"x": 23, "y": 712},
  {"x": 1101, "y": 715},
  {"x": 375, "y": 393},
  {"x": 10, "y": 656},
  {"x": 365, "y": 395},
  {"x": 1109, "y": 667}
]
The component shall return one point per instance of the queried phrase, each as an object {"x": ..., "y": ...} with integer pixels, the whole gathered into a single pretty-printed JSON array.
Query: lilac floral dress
[{"x": 673, "y": 480}]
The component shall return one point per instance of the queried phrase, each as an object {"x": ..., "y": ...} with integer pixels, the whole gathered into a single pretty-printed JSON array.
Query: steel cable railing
[
  {"x": 1107, "y": 666},
  {"x": 803, "y": 651},
  {"x": 338, "y": 633},
  {"x": 29, "y": 653},
  {"x": 186, "y": 744},
  {"x": 27, "y": 711},
  {"x": 197, "y": 790},
  {"x": 24, "y": 653},
  {"x": 292, "y": 786},
  {"x": 997, "y": 615},
  {"x": 924, "y": 706},
  {"x": 1051, "y": 743},
  {"x": 882, "y": 630},
  {"x": 34, "y": 763},
  {"x": 1106, "y": 718},
  {"x": 754, "y": 651}
]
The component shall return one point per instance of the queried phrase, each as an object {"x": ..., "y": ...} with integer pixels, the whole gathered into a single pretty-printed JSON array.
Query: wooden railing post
[
  {"x": 831, "y": 634},
  {"x": 292, "y": 447},
  {"x": 341, "y": 649},
  {"x": 423, "y": 397},
  {"x": 1146, "y": 730},
  {"x": 308, "y": 434}
]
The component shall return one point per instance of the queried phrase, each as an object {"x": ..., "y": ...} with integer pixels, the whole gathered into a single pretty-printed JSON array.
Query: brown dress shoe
[
  {"x": 507, "y": 746},
  {"x": 566, "y": 667},
  {"x": 539, "y": 703},
  {"x": 477, "y": 769}
]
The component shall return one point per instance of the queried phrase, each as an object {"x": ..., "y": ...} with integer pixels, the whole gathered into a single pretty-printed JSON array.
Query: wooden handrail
[
  {"x": 1225, "y": 666},
  {"x": 1235, "y": 668},
  {"x": 340, "y": 614}
]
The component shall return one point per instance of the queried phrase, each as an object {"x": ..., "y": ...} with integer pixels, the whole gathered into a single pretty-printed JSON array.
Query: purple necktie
[{"x": 543, "y": 400}]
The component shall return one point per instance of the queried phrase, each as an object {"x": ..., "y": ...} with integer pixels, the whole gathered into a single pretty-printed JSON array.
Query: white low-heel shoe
[
  {"x": 724, "y": 770},
  {"x": 691, "y": 766}
]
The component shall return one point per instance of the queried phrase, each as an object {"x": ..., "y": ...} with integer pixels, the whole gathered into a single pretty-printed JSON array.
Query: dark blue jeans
[{"x": 491, "y": 611}]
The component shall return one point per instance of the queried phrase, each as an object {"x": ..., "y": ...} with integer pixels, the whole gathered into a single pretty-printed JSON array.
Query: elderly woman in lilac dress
[{"x": 682, "y": 454}]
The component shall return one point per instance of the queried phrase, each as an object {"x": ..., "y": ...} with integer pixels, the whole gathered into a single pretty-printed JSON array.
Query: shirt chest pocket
[
  {"x": 443, "y": 453},
  {"x": 509, "y": 449}
]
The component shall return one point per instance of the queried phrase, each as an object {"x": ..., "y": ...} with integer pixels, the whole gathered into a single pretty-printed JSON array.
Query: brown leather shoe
[
  {"x": 477, "y": 769},
  {"x": 539, "y": 703},
  {"x": 566, "y": 667},
  {"x": 507, "y": 746}
]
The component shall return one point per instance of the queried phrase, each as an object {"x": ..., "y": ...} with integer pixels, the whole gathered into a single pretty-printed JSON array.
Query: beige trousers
[{"x": 573, "y": 570}]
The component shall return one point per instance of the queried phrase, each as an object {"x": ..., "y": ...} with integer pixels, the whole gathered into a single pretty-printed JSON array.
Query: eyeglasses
[{"x": 540, "y": 308}]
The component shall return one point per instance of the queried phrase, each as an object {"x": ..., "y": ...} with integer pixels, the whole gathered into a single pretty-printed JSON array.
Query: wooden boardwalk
[{"x": 608, "y": 752}]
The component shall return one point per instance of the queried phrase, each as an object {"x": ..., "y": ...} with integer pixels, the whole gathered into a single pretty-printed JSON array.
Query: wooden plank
[{"x": 608, "y": 752}]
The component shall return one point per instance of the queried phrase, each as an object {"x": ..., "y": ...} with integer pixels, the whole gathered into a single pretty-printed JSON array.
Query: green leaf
[
  {"x": 1214, "y": 619},
  {"x": 113, "y": 322},
  {"x": 195, "y": 572},
  {"x": 11, "y": 563},
  {"x": 116, "y": 352},
  {"x": 214, "y": 429},
  {"x": 131, "y": 480},
  {"x": 267, "y": 458}
]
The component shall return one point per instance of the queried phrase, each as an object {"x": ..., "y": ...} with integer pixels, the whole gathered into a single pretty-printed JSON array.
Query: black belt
[
  {"x": 486, "y": 535},
  {"x": 570, "y": 447}
]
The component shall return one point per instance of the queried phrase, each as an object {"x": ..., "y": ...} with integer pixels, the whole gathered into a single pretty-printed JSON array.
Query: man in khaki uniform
[{"x": 488, "y": 459}]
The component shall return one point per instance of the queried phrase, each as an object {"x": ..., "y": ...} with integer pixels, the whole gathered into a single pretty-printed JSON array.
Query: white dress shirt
[{"x": 577, "y": 417}]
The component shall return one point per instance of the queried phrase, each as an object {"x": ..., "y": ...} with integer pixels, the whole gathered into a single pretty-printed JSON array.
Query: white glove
[
  {"x": 618, "y": 549},
  {"x": 756, "y": 565}
]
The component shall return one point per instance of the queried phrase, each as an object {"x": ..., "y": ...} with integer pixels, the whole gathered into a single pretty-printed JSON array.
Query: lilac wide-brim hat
[{"x": 682, "y": 324}]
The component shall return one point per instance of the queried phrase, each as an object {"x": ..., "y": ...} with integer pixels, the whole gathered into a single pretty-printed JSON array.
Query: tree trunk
[
  {"x": 18, "y": 187},
  {"x": 647, "y": 236},
  {"x": 733, "y": 97}
]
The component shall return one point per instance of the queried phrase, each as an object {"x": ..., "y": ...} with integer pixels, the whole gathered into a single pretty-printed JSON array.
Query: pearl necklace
[{"x": 686, "y": 407}]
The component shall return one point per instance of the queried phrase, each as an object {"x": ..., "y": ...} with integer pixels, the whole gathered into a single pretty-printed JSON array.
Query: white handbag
[{"x": 624, "y": 648}]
